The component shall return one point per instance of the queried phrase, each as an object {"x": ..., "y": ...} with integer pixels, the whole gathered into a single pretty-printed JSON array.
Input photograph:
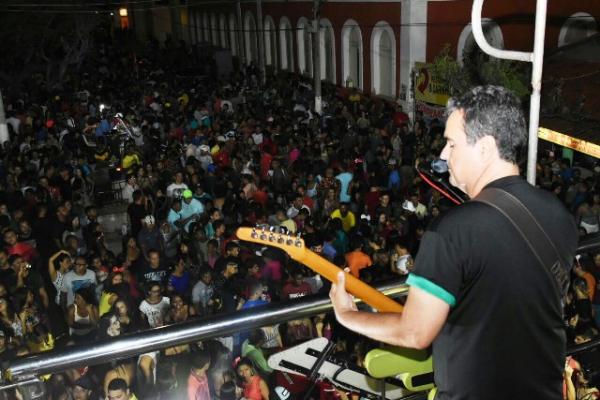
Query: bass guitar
[{"x": 413, "y": 367}]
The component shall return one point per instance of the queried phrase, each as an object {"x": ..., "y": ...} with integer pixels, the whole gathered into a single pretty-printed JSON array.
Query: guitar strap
[{"x": 532, "y": 232}]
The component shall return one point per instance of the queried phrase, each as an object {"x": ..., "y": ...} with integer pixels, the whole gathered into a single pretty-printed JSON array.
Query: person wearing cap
[
  {"x": 149, "y": 236},
  {"x": 203, "y": 155},
  {"x": 82, "y": 389},
  {"x": 190, "y": 209}
]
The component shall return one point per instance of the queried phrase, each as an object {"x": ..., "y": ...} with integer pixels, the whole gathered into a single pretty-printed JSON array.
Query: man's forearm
[{"x": 384, "y": 327}]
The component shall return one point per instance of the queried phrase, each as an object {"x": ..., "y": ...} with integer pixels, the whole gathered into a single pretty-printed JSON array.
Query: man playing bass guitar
[{"x": 479, "y": 291}]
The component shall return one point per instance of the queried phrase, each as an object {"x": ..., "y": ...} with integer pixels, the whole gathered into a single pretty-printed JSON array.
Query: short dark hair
[
  {"x": 137, "y": 195},
  {"x": 153, "y": 250},
  {"x": 494, "y": 111},
  {"x": 200, "y": 359},
  {"x": 227, "y": 391},
  {"x": 118, "y": 384},
  {"x": 232, "y": 245}
]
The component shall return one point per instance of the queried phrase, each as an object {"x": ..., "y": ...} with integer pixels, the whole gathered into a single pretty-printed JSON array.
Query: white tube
[
  {"x": 485, "y": 46},
  {"x": 537, "y": 58},
  {"x": 536, "y": 84}
]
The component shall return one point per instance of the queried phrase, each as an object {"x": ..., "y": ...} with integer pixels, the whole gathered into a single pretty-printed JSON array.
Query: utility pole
[
  {"x": 261, "y": 43},
  {"x": 3, "y": 126},
  {"x": 317, "y": 54}
]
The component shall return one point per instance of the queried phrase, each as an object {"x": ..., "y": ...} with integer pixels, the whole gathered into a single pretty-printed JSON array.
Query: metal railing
[
  {"x": 536, "y": 58},
  {"x": 29, "y": 367}
]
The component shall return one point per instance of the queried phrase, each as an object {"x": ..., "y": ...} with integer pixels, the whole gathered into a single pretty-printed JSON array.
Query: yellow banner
[
  {"x": 428, "y": 88},
  {"x": 567, "y": 141}
]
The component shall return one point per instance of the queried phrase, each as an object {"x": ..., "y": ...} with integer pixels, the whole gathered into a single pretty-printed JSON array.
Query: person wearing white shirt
[
  {"x": 176, "y": 188},
  {"x": 79, "y": 277},
  {"x": 130, "y": 187}
]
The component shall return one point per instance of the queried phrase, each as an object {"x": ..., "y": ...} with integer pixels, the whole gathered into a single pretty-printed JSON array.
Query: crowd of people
[{"x": 199, "y": 157}]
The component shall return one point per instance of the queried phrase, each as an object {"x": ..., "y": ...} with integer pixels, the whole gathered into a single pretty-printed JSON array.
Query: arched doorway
[
  {"x": 383, "y": 60},
  {"x": 286, "y": 40},
  {"x": 466, "y": 41},
  {"x": 327, "y": 50},
  {"x": 250, "y": 38},
  {"x": 270, "y": 42},
  {"x": 577, "y": 27},
  {"x": 233, "y": 35},
  {"x": 304, "y": 39},
  {"x": 352, "y": 54},
  {"x": 223, "y": 32}
]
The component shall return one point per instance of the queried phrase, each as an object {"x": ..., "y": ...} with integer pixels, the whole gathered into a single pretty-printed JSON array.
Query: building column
[{"x": 413, "y": 47}]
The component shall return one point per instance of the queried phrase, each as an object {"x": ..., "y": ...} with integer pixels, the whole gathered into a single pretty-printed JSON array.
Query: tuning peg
[
  {"x": 298, "y": 242},
  {"x": 253, "y": 234},
  {"x": 263, "y": 235},
  {"x": 280, "y": 239}
]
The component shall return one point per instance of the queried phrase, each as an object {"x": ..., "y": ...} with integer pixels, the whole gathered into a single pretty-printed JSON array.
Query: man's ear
[{"x": 487, "y": 147}]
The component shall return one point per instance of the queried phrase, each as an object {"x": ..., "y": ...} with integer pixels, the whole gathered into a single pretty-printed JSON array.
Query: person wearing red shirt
[
  {"x": 255, "y": 388},
  {"x": 296, "y": 287},
  {"x": 23, "y": 249},
  {"x": 265, "y": 163},
  {"x": 372, "y": 200},
  {"x": 261, "y": 196},
  {"x": 222, "y": 158},
  {"x": 197, "y": 384}
]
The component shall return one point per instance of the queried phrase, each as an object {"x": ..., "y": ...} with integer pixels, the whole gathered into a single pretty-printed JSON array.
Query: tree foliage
[
  {"x": 480, "y": 69},
  {"x": 43, "y": 46}
]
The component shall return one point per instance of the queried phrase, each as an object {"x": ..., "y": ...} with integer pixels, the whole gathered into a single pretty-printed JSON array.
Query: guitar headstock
[{"x": 276, "y": 236}]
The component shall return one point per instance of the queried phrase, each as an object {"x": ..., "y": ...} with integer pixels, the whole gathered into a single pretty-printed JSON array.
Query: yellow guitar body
[{"x": 413, "y": 367}]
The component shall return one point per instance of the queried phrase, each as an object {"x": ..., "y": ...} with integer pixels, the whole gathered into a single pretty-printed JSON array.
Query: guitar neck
[
  {"x": 355, "y": 286},
  {"x": 296, "y": 249}
]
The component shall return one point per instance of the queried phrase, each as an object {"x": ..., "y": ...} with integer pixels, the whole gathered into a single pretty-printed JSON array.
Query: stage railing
[{"x": 29, "y": 367}]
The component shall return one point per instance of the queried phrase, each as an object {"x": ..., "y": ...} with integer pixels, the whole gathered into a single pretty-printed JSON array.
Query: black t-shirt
[
  {"x": 136, "y": 213},
  {"x": 149, "y": 274},
  {"x": 504, "y": 337}
]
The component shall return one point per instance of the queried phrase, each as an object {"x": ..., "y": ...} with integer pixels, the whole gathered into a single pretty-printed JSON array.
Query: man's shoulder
[{"x": 464, "y": 215}]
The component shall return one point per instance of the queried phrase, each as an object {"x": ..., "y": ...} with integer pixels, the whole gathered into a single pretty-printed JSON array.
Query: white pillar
[{"x": 413, "y": 47}]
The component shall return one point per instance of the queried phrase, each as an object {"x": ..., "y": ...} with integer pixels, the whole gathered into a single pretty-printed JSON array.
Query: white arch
[
  {"x": 233, "y": 35},
  {"x": 286, "y": 44},
  {"x": 380, "y": 84},
  {"x": 270, "y": 41},
  {"x": 304, "y": 39},
  {"x": 348, "y": 60},
  {"x": 214, "y": 29},
  {"x": 223, "y": 31},
  {"x": 250, "y": 38},
  {"x": 466, "y": 40},
  {"x": 577, "y": 27},
  {"x": 327, "y": 50},
  {"x": 206, "y": 27},
  {"x": 198, "y": 27}
]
